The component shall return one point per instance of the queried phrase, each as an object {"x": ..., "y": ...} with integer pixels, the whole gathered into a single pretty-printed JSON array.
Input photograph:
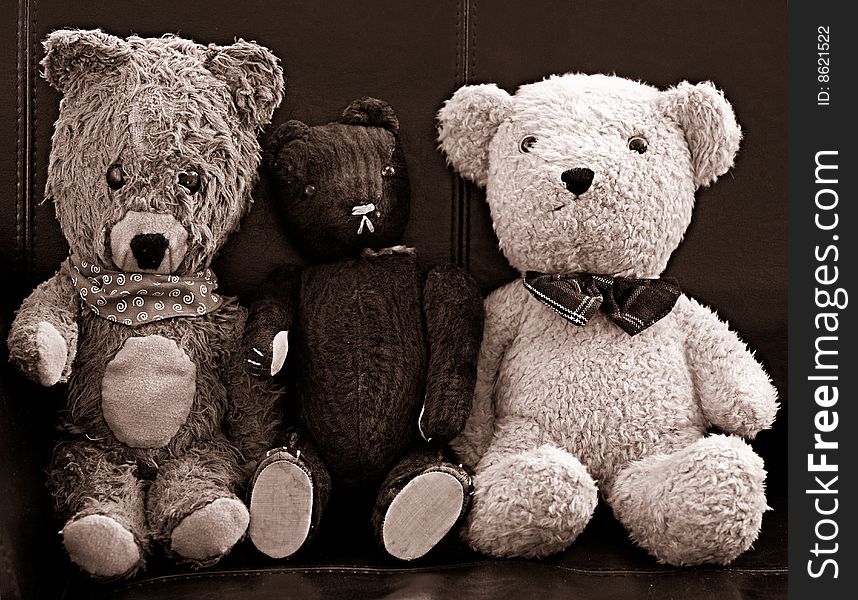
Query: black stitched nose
[
  {"x": 148, "y": 249},
  {"x": 577, "y": 180}
]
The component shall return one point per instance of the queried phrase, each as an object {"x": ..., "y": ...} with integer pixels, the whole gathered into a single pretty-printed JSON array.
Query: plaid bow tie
[{"x": 633, "y": 304}]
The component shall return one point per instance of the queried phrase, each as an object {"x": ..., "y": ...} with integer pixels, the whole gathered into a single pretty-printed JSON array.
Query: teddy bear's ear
[
  {"x": 253, "y": 74},
  {"x": 282, "y": 135},
  {"x": 371, "y": 112},
  {"x": 466, "y": 125},
  {"x": 710, "y": 127},
  {"x": 72, "y": 54}
]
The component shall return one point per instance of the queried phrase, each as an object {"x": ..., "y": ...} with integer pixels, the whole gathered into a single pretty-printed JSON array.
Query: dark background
[{"x": 414, "y": 55}]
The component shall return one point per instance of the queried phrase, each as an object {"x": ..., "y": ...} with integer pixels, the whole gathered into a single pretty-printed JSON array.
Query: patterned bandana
[
  {"x": 633, "y": 304},
  {"x": 137, "y": 298}
]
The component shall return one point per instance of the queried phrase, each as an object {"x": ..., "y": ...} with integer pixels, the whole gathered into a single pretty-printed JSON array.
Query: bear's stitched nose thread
[
  {"x": 577, "y": 180},
  {"x": 149, "y": 249}
]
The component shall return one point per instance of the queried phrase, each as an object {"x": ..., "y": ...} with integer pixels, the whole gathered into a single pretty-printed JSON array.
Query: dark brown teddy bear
[{"x": 382, "y": 354}]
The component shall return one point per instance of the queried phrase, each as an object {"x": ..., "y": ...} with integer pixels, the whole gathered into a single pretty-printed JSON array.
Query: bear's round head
[
  {"x": 590, "y": 173},
  {"x": 343, "y": 186},
  {"x": 154, "y": 154}
]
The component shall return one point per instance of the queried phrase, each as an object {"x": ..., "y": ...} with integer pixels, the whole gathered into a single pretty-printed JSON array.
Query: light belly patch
[{"x": 147, "y": 391}]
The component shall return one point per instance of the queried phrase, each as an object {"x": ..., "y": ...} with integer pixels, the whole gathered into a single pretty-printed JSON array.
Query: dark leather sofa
[{"x": 414, "y": 54}]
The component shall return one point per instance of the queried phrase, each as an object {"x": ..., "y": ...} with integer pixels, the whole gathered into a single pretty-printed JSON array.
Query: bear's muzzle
[{"x": 148, "y": 242}]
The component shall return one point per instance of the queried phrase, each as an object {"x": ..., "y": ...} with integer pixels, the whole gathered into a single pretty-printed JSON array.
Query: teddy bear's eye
[
  {"x": 527, "y": 143},
  {"x": 310, "y": 190},
  {"x": 638, "y": 144},
  {"x": 388, "y": 171},
  {"x": 115, "y": 176},
  {"x": 190, "y": 180}
]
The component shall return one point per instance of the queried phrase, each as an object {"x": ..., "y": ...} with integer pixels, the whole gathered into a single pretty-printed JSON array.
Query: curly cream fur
[
  {"x": 53, "y": 302},
  {"x": 557, "y": 404},
  {"x": 467, "y": 123}
]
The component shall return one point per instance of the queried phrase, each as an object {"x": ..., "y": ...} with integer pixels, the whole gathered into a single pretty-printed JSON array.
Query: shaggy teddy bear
[
  {"x": 153, "y": 159},
  {"x": 382, "y": 353},
  {"x": 594, "y": 374}
]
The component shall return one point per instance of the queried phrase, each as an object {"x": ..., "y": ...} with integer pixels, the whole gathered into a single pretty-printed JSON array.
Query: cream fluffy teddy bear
[{"x": 591, "y": 182}]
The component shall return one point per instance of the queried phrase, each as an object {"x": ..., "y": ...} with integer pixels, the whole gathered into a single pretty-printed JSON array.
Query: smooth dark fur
[
  {"x": 372, "y": 335},
  {"x": 344, "y": 163}
]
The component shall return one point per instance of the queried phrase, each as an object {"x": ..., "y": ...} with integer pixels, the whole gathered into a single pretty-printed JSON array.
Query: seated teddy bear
[
  {"x": 382, "y": 353},
  {"x": 153, "y": 159},
  {"x": 594, "y": 374}
]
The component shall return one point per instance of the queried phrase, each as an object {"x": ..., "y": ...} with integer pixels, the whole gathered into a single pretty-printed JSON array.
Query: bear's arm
[
  {"x": 254, "y": 410},
  {"x": 453, "y": 309},
  {"x": 503, "y": 309},
  {"x": 273, "y": 311},
  {"x": 43, "y": 337},
  {"x": 735, "y": 392}
]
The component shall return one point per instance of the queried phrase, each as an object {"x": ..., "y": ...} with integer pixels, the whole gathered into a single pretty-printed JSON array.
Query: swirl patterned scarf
[{"x": 137, "y": 298}]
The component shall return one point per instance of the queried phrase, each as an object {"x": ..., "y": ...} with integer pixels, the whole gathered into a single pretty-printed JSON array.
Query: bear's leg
[
  {"x": 288, "y": 495},
  {"x": 420, "y": 501},
  {"x": 101, "y": 499},
  {"x": 192, "y": 504},
  {"x": 531, "y": 498},
  {"x": 701, "y": 504}
]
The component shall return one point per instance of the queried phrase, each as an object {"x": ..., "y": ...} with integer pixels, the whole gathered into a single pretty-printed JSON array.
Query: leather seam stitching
[
  {"x": 471, "y": 67},
  {"x": 21, "y": 156},
  {"x": 761, "y": 571},
  {"x": 453, "y": 176},
  {"x": 34, "y": 134},
  {"x": 463, "y": 188}
]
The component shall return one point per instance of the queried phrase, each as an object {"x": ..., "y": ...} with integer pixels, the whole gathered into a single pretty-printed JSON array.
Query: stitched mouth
[
  {"x": 364, "y": 211},
  {"x": 575, "y": 198}
]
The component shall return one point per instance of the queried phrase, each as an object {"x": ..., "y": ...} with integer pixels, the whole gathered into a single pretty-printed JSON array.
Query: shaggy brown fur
[{"x": 157, "y": 108}]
